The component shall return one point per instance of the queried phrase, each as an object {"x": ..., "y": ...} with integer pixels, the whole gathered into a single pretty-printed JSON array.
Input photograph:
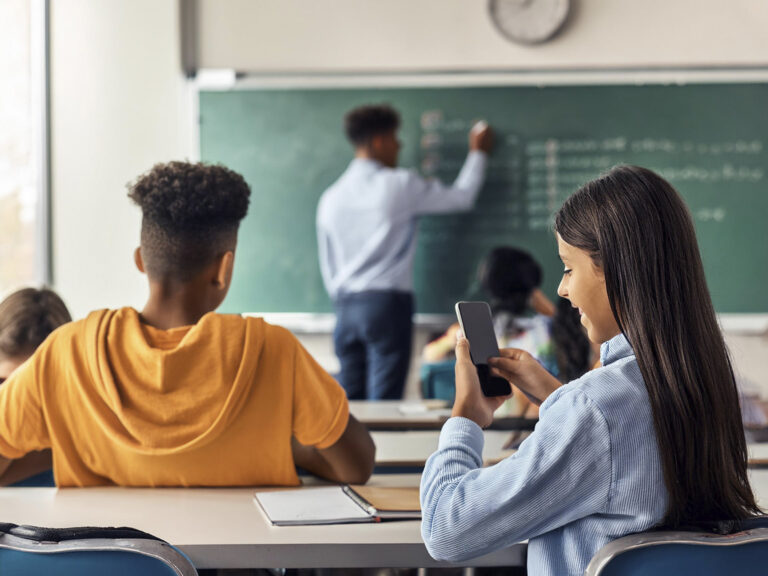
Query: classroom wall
[
  {"x": 119, "y": 102},
  {"x": 336, "y": 35}
]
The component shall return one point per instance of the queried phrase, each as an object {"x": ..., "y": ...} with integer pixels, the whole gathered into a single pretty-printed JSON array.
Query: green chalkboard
[{"x": 709, "y": 140}]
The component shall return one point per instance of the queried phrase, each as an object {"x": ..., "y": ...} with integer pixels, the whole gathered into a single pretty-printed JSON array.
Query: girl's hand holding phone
[
  {"x": 521, "y": 369},
  {"x": 470, "y": 401}
]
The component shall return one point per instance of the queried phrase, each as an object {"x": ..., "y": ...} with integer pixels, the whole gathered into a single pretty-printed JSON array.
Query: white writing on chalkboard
[
  {"x": 529, "y": 178},
  {"x": 555, "y": 167},
  {"x": 711, "y": 214}
]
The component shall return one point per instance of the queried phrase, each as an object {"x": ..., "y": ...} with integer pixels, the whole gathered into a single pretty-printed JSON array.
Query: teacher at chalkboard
[{"x": 366, "y": 229}]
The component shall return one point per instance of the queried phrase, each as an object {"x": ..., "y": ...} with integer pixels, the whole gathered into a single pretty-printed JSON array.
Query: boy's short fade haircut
[
  {"x": 365, "y": 122},
  {"x": 191, "y": 213}
]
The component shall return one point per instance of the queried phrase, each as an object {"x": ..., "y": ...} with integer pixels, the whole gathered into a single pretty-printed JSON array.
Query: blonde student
[
  {"x": 176, "y": 394},
  {"x": 651, "y": 438}
]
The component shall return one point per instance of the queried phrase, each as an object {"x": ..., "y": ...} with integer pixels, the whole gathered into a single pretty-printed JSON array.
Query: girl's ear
[{"x": 597, "y": 268}]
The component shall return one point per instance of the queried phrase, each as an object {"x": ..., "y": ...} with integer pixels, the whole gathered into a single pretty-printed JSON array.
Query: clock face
[{"x": 528, "y": 21}]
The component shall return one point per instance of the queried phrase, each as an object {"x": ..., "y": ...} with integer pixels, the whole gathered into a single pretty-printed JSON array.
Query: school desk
[
  {"x": 224, "y": 528},
  {"x": 419, "y": 415},
  {"x": 758, "y": 479},
  {"x": 758, "y": 454},
  {"x": 410, "y": 449}
]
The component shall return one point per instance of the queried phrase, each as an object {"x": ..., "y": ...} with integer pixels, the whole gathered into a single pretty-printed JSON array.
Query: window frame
[{"x": 40, "y": 93}]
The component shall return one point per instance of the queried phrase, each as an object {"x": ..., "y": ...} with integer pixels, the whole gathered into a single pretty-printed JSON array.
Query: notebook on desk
[{"x": 339, "y": 505}]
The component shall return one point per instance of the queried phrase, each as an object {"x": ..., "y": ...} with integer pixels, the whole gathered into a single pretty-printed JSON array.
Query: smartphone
[{"x": 477, "y": 325}]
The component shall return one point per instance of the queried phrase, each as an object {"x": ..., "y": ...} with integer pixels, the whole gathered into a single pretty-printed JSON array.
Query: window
[{"x": 24, "y": 252}]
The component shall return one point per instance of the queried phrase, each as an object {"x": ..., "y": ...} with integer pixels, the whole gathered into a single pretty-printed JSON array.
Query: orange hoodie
[{"x": 214, "y": 404}]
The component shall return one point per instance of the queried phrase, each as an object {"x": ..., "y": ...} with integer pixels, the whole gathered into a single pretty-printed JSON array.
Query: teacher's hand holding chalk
[{"x": 481, "y": 137}]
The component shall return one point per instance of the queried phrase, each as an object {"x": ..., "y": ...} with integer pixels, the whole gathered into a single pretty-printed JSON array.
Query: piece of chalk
[{"x": 480, "y": 125}]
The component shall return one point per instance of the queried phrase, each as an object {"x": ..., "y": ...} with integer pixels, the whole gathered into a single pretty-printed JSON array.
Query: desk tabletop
[
  {"x": 390, "y": 415},
  {"x": 412, "y": 448},
  {"x": 758, "y": 480},
  {"x": 224, "y": 528},
  {"x": 400, "y": 414},
  {"x": 758, "y": 454}
]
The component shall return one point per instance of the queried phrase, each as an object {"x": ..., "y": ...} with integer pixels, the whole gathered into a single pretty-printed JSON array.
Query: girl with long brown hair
[
  {"x": 27, "y": 317},
  {"x": 652, "y": 438}
]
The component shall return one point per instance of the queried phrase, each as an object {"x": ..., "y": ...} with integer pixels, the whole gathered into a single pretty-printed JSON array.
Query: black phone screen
[{"x": 475, "y": 320}]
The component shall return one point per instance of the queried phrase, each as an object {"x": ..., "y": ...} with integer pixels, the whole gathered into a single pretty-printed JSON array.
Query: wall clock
[{"x": 528, "y": 21}]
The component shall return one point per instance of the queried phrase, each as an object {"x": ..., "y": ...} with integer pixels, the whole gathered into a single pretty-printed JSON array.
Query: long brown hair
[{"x": 638, "y": 230}]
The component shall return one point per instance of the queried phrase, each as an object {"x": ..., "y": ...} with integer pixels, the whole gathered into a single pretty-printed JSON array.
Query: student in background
[
  {"x": 574, "y": 352},
  {"x": 27, "y": 317},
  {"x": 753, "y": 411},
  {"x": 521, "y": 312},
  {"x": 177, "y": 395},
  {"x": 651, "y": 438},
  {"x": 366, "y": 231},
  {"x": 521, "y": 315}
]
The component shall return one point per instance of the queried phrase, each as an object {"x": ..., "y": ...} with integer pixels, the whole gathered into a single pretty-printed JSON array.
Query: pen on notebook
[{"x": 359, "y": 500}]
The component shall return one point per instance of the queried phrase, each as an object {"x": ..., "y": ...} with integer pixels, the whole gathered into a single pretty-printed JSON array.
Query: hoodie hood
[{"x": 169, "y": 391}]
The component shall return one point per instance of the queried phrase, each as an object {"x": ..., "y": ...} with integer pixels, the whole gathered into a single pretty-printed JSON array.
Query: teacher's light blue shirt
[
  {"x": 589, "y": 473},
  {"x": 367, "y": 222}
]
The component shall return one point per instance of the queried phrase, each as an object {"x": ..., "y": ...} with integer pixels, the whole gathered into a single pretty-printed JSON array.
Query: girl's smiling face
[{"x": 583, "y": 284}]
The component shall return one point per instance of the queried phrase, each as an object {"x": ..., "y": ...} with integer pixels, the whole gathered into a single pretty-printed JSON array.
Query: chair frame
[
  {"x": 156, "y": 549},
  {"x": 650, "y": 539}
]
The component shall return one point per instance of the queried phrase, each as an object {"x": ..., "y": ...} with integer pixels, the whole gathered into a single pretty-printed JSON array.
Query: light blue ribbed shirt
[
  {"x": 367, "y": 222},
  {"x": 589, "y": 473}
]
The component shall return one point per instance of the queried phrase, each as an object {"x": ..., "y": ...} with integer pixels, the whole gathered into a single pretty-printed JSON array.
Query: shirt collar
[
  {"x": 615, "y": 349},
  {"x": 368, "y": 163}
]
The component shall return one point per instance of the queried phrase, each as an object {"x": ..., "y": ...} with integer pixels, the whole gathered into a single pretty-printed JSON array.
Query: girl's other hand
[{"x": 524, "y": 371}]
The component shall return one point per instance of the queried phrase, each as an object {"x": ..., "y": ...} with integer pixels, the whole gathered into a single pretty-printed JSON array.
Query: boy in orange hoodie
[{"x": 177, "y": 395}]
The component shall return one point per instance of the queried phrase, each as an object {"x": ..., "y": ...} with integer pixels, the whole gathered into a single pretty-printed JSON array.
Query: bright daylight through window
[{"x": 22, "y": 145}]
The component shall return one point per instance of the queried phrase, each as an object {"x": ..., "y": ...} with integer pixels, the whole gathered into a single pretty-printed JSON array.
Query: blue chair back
[
  {"x": 685, "y": 553},
  {"x": 438, "y": 380},
  {"x": 32, "y": 551},
  {"x": 42, "y": 480}
]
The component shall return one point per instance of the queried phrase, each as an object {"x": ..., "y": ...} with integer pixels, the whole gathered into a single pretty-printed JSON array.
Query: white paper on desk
[
  {"x": 320, "y": 505},
  {"x": 412, "y": 408},
  {"x": 434, "y": 410}
]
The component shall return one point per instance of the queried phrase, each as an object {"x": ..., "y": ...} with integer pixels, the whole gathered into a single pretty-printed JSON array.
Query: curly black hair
[
  {"x": 27, "y": 317},
  {"x": 191, "y": 213},
  {"x": 365, "y": 122}
]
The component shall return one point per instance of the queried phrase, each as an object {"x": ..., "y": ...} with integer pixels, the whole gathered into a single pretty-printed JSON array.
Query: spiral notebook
[{"x": 339, "y": 505}]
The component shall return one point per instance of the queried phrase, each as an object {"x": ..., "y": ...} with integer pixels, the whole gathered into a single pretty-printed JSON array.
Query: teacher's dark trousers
[{"x": 373, "y": 343}]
